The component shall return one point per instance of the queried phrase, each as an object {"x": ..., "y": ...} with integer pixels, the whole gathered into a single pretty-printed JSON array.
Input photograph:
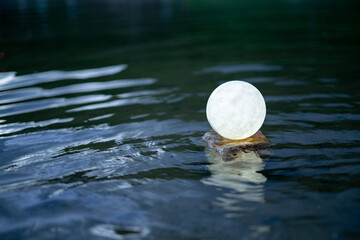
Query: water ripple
[
  {"x": 317, "y": 136},
  {"x": 26, "y": 107},
  {"x": 285, "y": 98},
  {"x": 116, "y": 103},
  {"x": 229, "y": 69},
  {"x": 307, "y": 118},
  {"x": 51, "y": 76},
  {"x": 15, "y": 127},
  {"x": 6, "y": 77},
  {"x": 119, "y": 232},
  {"x": 38, "y": 146},
  {"x": 30, "y": 93}
]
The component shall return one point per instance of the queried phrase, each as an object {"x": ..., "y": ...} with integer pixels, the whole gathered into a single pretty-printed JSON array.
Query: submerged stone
[{"x": 229, "y": 149}]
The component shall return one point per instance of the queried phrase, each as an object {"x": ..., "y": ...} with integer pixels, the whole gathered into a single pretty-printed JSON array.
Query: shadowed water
[{"x": 102, "y": 113}]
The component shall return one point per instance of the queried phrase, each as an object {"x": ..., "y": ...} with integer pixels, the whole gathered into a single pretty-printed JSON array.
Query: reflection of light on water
[
  {"x": 26, "y": 107},
  {"x": 6, "y": 77},
  {"x": 241, "y": 176},
  {"x": 37, "y": 92},
  {"x": 119, "y": 232},
  {"x": 52, "y": 76},
  {"x": 10, "y": 81}
]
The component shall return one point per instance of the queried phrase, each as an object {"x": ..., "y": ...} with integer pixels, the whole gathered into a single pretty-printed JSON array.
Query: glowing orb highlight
[{"x": 236, "y": 110}]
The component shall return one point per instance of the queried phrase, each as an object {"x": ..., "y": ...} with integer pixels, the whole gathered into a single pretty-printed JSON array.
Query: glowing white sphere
[{"x": 236, "y": 110}]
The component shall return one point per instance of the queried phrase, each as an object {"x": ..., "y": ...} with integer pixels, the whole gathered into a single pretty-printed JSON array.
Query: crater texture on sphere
[{"x": 236, "y": 110}]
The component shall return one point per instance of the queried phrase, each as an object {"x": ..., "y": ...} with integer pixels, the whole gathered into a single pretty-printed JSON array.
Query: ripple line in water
[
  {"x": 290, "y": 82},
  {"x": 117, "y": 103},
  {"x": 260, "y": 79},
  {"x": 229, "y": 69},
  {"x": 119, "y": 232},
  {"x": 304, "y": 118},
  {"x": 51, "y": 76},
  {"x": 304, "y": 97},
  {"x": 327, "y": 105},
  {"x": 142, "y": 97},
  {"x": 6, "y": 77},
  {"x": 101, "y": 117},
  {"x": 145, "y": 92},
  {"x": 15, "y": 127},
  {"x": 318, "y": 136},
  {"x": 25, "y": 107},
  {"x": 30, "y": 93}
]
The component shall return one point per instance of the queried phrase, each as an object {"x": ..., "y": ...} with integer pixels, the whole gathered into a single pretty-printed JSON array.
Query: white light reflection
[
  {"x": 6, "y": 77},
  {"x": 239, "y": 178},
  {"x": 119, "y": 232},
  {"x": 51, "y": 76}
]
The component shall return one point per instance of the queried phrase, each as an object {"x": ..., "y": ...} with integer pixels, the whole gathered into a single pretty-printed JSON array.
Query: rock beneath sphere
[{"x": 228, "y": 148}]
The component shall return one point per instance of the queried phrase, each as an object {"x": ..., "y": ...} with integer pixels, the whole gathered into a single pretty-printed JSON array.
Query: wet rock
[{"x": 229, "y": 149}]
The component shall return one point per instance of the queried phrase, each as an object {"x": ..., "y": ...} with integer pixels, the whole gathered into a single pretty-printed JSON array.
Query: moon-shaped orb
[{"x": 236, "y": 110}]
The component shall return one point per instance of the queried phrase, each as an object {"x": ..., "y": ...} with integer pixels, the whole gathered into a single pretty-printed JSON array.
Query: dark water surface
[{"x": 102, "y": 110}]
